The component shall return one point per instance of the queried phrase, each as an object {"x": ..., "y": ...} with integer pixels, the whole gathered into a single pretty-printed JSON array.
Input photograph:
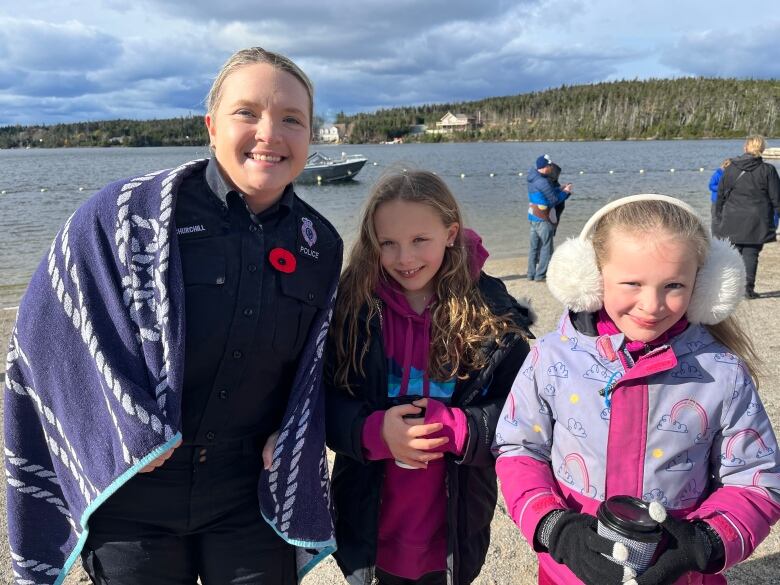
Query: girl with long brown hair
[{"x": 422, "y": 352}]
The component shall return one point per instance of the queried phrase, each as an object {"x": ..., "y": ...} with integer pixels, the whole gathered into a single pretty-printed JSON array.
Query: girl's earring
[{"x": 450, "y": 244}]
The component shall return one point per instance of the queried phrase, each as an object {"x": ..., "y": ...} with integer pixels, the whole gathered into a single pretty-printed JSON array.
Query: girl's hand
[
  {"x": 155, "y": 463},
  {"x": 404, "y": 437},
  {"x": 268, "y": 450}
]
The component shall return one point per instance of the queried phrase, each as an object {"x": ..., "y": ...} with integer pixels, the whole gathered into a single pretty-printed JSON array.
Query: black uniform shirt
[{"x": 247, "y": 315}]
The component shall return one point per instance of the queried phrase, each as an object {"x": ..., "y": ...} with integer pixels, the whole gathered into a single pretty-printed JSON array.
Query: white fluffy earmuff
[{"x": 574, "y": 279}]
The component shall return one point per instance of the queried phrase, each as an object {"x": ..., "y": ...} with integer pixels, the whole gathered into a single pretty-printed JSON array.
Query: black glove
[
  {"x": 573, "y": 541},
  {"x": 690, "y": 546}
]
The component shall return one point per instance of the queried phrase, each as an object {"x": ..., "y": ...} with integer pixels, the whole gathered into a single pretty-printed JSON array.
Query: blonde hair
[
  {"x": 252, "y": 56},
  {"x": 650, "y": 217},
  {"x": 461, "y": 321},
  {"x": 755, "y": 144}
]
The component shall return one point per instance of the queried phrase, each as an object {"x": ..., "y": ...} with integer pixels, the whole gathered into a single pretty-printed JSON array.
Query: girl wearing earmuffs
[{"x": 646, "y": 389}]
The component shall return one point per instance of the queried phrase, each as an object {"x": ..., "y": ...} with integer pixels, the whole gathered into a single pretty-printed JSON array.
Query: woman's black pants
[
  {"x": 197, "y": 516},
  {"x": 750, "y": 258}
]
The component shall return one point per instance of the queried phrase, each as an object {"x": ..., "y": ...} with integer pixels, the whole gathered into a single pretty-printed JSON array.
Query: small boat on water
[
  {"x": 322, "y": 169},
  {"x": 773, "y": 152}
]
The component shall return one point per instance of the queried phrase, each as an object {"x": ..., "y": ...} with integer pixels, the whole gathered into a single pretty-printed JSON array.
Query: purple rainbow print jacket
[{"x": 685, "y": 427}]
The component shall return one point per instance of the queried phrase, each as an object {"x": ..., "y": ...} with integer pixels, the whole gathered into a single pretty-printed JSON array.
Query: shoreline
[
  {"x": 409, "y": 141},
  {"x": 509, "y": 558}
]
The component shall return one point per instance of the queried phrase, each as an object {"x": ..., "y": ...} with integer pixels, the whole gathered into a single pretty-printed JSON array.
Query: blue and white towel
[{"x": 94, "y": 380}]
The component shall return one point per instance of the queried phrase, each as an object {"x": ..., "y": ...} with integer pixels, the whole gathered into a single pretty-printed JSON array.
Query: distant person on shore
[
  {"x": 542, "y": 199},
  {"x": 714, "y": 182},
  {"x": 554, "y": 178},
  {"x": 422, "y": 352},
  {"x": 748, "y": 201},
  {"x": 168, "y": 349},
  {"x": 645, "y": 388}
]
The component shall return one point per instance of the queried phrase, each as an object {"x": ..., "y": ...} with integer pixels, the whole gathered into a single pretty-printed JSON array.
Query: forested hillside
[
  {"x": 187, "y": 131},
  {"x": 656, "y": 108},
  {"x": 621, "y": 110}
]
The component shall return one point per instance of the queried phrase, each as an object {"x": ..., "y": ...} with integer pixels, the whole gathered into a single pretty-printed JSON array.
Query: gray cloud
[
  {"x": 739, "y": 53},
  {"x": 43, "y": 46},
  {"x": 157, "y": 58}
]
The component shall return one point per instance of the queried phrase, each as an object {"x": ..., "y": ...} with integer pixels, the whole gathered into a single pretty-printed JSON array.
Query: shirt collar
[{"x": 220, "y": 187}]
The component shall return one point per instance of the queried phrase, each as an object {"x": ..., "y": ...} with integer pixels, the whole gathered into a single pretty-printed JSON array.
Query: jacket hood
[
  {"x": 534, "y": 175},
  {"x": 747, "y": 162},
  {"x": 477, "y": 253}
]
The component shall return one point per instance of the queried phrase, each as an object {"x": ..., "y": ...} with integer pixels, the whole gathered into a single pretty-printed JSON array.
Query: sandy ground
[{"x": 510, "y": 559}]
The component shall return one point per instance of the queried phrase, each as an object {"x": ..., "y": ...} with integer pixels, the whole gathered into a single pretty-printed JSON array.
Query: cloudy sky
[{"x": 72, "y": 60}]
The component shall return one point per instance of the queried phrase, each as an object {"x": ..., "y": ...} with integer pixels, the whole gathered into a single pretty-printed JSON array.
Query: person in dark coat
[{"x": 748, "y": 199}]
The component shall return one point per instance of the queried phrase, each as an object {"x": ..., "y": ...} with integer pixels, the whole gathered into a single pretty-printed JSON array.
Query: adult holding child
[
  {"x": 168, "y": 349},
  {"x": 747, "y": 202},
  {"x": 543, "y": 197}
]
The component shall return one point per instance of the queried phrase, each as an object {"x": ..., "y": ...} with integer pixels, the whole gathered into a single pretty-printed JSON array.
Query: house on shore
[
  {"x": 329, "y": 133},
  {"x": 457, "y": 123}
]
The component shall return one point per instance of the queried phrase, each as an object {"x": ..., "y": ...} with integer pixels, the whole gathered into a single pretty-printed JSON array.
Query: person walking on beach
[
  {"x": 644, "y": 389},
  {"x": 542, "y": 199},
  {"x": 748, "y": 201},
  {"x": 423, "y": 349},
  {"x": 168, "y": 350}
]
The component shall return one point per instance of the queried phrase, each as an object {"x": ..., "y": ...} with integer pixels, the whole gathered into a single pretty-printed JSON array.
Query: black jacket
[
  {"x": 471, "y": 480},
  {"x": 746, "y": 203}
]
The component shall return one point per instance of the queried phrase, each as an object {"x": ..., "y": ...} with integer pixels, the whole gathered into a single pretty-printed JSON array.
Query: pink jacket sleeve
[
  {"x": 530, "y": 492},
  {"x": 374, "y": 446},
  {"x": 455, "y": 427}
]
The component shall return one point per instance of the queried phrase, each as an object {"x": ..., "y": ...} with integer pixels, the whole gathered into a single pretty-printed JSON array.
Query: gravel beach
[{"x": 510, "y": 560}]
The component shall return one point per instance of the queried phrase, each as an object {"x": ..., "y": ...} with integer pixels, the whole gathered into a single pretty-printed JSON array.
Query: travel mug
[{"x": 627, "y": 520}]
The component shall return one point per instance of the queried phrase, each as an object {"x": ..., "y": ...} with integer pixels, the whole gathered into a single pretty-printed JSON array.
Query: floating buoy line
[
  {"x": 470, "y": 175},
  {"x": 494, "y": 174}
]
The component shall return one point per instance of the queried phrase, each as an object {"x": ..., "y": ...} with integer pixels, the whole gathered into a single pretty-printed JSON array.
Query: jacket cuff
[
  {"x": 455, "y": 426},
  {"x": 733, "y": 544},
  {"x": 527, "y": 506},
  {"x": 374, "y": 446}
]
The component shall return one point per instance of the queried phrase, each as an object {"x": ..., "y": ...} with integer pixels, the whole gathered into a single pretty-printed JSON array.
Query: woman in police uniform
[
  {"x": 163, "y": 417},
  {"x": 257, "y": 262}
]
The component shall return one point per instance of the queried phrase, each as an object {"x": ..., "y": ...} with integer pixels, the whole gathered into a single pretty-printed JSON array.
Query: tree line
[{"x": 620, "y": 110}]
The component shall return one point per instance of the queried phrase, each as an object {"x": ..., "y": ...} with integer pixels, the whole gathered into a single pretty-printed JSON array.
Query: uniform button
[
  {"x": 220, "y": 280},
  {"x": 311, "y": 296},
  {"x": 237, "y": 354},
  {"x": 252, "y": 267},
  {"x": 223, "y": 394},
  {"x": 248, "y": 312},
  {"x": 211, "y": 435}
]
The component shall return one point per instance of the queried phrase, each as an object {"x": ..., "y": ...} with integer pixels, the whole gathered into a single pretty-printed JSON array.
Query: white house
[
  {"x": 457, "y": 123},
  {"x": 328, "y": 133}
]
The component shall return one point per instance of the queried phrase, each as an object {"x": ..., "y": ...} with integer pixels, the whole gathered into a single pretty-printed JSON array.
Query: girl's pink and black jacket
[{"x": 684, "y": 426}]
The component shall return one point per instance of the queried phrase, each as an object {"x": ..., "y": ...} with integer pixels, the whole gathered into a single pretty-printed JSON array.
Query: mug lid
[{"x": 629, "y": 516}]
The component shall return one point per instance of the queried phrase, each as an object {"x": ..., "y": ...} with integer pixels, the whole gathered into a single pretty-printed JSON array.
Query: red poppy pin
[{"x": 283, "y": 260}]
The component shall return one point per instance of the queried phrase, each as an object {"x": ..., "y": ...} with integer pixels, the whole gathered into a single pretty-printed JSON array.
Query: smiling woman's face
[{"x": 260, "y": 132}]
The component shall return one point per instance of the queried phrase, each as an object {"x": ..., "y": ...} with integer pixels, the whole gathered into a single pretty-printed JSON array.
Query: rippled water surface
[{"x": 494, "y": 206}]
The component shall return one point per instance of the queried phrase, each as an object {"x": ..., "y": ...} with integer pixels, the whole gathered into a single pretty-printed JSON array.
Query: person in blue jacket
[
  {"x": 542, "y": 199},
  {"x": 714, "y": 182}
]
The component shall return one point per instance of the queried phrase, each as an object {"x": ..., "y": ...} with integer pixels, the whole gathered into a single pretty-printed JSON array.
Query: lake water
[{"x": 495, "y": 206}]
